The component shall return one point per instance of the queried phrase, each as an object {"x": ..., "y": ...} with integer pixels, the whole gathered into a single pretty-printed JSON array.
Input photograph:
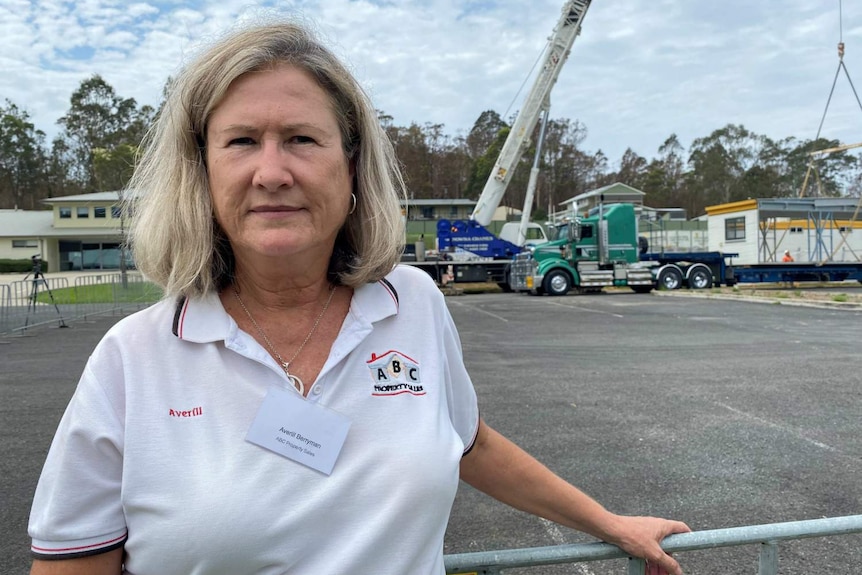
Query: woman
[{"x": 298, "y": 403}]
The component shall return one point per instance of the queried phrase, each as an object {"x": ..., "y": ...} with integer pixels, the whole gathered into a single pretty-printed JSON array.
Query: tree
[
  {"x": 22, "y": 159},
  {"x": 633, "y": 169},
  {"x": 99, "y": 119},
  {"x": 560, "y": 177},
  {"x": 484, "y": 133},
  {"x": 483, "y": 164},
  {"x": 819, "y": 174},
  {"x": 718, "y": 163},
  {"x": 112, "y": 168}
]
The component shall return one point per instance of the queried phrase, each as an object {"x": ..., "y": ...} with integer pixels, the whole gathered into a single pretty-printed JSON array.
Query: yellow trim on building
[
  {"x": 732, "y": 207},
  {"x": 809, "y": 225}
]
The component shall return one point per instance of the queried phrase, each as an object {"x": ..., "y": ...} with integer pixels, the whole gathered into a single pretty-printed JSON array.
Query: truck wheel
[
  {"x": 700, "y": 278},
  {"x": 557, "y": 282},
  {"x": 506, "y": 284},
  {"x": 670, "y": 278}
]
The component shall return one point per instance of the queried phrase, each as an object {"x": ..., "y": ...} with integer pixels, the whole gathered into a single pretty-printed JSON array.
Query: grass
[
  {"x": 841, "y": 297},
  {"x": 136, "y": 292}
]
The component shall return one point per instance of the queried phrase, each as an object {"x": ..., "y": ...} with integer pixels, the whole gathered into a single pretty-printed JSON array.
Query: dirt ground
[{"x": 830, "y": 293}]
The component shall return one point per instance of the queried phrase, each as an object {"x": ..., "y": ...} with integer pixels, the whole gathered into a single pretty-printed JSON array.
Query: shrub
[{"x": 8, "y": 266}]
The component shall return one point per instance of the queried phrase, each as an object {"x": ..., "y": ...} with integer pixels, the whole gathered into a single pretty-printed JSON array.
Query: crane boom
[{"x": 556, "y": 53}]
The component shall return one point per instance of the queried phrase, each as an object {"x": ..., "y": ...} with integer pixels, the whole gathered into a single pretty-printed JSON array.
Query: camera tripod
[{"x": 39, "y": 280}]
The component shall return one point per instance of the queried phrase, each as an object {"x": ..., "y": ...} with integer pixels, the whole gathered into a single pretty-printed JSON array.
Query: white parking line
[
  {"x": 480, "y": 310},
  {"x": 586, "y": 309},
  {"x": 557, "y": 537},
  {"x": 777, "y": 426}
]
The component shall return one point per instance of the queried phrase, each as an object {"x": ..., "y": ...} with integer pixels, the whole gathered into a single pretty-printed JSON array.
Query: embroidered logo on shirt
[
  {"x": 194, "y": 412},
  {"x": 394, "y": 373}
]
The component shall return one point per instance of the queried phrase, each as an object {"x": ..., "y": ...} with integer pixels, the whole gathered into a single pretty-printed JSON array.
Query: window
[
  {"x": 25, "y": 244},
  {"x": 99, "y": 213},
  {"x": 116, "y": 212},
  {"x": 65, "y": 213},
  {"x": 83, "y": 212},
  {"x": 845, "y": 229},
  {"x": 734, "y": 228},
  {"x": 795, "y": 230}
]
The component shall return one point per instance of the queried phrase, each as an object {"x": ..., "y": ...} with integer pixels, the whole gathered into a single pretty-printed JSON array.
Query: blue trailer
[{"x": 797, "y": 272}]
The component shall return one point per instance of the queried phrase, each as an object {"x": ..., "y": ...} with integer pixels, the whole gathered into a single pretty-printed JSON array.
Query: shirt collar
[{"x": 204, "y": 319}]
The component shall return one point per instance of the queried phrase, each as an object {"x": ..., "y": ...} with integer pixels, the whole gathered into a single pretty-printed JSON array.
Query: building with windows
[
  {"x": 81, "y": 232},
  {"x": 811, "y": 229},
  {"x": 615, "y": 193}
]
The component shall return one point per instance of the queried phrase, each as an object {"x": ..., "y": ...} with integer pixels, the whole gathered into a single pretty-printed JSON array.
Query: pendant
[{"x": 295, "y": 381}]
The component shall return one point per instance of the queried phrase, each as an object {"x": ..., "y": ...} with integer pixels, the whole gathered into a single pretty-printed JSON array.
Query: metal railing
[
  {"x": 767, "y": 536},
  {"x": 30, "y": 303}
]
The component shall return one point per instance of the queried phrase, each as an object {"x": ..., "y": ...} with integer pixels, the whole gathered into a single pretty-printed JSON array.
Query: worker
[{"x": 787, "y": 257}]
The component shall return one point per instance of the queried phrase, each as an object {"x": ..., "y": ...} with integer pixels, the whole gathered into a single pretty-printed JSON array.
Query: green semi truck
[{"x": 603, "y": 250}]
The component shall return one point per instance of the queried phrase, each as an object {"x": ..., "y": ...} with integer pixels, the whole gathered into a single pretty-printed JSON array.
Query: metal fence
[
  {"x": 41, "y": 300},
  {"x": 767, "y": 536}
]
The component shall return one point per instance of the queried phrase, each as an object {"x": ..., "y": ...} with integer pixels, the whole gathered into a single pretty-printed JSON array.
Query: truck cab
[{"x": 595, "y": 251}]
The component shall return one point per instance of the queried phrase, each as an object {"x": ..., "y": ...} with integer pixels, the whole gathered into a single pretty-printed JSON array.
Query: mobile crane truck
[{"x": 492, "y": 255}]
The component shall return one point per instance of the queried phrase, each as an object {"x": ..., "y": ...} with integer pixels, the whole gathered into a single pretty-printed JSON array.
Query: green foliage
[
  {"x": 841, "y": 297},
  {"x": 22, "y": 158},
  {"x": 9, "y": 266},
  {"x": 484, "y": 164},
  {"x": 107, "y": 293},
  {"x": 99, "y": 119},
  {"x": 102, "y": 130}
]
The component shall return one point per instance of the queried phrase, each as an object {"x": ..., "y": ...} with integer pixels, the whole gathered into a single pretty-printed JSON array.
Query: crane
[{"x": 537, "y": 101}]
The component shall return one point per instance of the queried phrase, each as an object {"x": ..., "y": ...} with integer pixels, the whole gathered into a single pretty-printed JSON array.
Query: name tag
[{"x": 305, "y": 432}]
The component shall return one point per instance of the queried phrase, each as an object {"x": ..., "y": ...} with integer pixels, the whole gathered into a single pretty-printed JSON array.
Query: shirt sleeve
[
  {"x": 463, "y": 405},
  {"x": 77, "y": 509}
]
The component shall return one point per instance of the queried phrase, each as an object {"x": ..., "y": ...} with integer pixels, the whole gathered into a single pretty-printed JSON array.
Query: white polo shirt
[{"x": 151, "y": 452}]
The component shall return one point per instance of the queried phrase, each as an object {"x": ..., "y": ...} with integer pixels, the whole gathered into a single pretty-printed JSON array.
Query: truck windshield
[{"x": 558, "y": 232}]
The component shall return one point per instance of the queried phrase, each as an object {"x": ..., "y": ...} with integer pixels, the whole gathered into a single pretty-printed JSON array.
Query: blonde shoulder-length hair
[{"x": 174, "y": 237}]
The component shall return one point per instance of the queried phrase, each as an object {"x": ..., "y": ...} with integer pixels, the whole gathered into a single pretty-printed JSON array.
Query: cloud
[{"x": 640, "y": 70}]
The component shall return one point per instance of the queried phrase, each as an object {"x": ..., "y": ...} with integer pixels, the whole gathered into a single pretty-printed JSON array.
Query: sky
[{"x": 640, "y": 71}]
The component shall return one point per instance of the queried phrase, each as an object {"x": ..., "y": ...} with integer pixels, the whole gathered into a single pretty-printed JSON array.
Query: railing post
[
  {"x": 636, "y": 566},
  {"x": 768, "y": 564}
]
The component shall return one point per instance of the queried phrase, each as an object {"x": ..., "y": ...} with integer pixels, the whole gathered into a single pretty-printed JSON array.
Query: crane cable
[
  {"x": 841, "y": 66},
  {"x": 811, "y": 165},
  {"x": 524, "y": 83}
]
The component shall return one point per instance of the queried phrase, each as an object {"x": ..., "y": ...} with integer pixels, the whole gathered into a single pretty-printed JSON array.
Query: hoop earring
[{"x": 353, "y": 206}]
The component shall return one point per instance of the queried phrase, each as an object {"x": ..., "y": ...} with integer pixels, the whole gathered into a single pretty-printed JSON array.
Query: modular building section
[
  {"x": 821, "y": 236},
  {"x": 812, "y": 230}
]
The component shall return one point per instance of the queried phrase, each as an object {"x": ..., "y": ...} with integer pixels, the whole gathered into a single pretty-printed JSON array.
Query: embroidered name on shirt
[
  {"x": 197, "y": 411},
  {"x": 395, "y": 373}
]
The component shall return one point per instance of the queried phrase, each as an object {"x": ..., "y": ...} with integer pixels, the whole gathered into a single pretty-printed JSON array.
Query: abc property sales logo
[{"x": 394, "y": 373}]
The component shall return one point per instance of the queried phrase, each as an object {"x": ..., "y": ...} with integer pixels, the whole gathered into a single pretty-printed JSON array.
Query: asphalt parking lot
[{"x": 719, "y": 413}]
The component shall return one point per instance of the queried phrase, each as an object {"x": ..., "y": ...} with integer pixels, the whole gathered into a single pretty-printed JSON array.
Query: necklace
[{"x": 285, "y": 365}]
